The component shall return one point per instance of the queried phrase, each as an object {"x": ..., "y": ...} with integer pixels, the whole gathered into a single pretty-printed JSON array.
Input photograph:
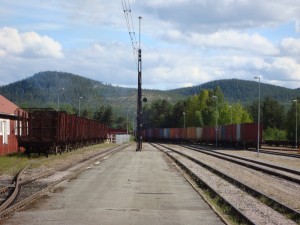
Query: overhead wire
[{"x": 130, "y": 27}]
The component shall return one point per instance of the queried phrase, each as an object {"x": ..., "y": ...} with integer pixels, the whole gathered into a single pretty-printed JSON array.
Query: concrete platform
[{"x": 136, "y": 188}]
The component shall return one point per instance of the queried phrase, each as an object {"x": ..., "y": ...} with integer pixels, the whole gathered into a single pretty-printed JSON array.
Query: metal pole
[
  {"x": 216, "y": 128},
  {"x": 296, "y": 138},
  {"x": 258, "y": 119},
  {"x": 139, "y": 100},
  {"x": 58, "y": 101},
  {"x": 79, "y": 106},
  {"x": 296, "y": 124},
  {"x": 127, "y": 120},
  {"x": 183, "y": 119},
  {"x": 231, "y": 124}
]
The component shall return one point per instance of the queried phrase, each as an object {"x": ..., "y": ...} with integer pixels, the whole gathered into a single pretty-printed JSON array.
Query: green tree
[
  {"x": 108, "y": 116},
  {"x": 160, "y": 113},
  {"x": 253, "y": 110},
  {"x": 177, "y": 114},
  {"x": 121, "y": 123},
  {"x": 273, "y": 114},
  {"x": 291, "y": 120},
  {"x": 104, "y": 115},
  {"x": 192, "y": 106},
  {"x": 274, "y": 134}
]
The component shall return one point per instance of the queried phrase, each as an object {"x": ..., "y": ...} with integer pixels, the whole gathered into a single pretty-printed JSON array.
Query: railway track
[
  {"x": 278, "y": 171},
  {"x": 27, "y": 189},
  {"x": 232, "y": 192},
  {"x": 276, "y": 152}
]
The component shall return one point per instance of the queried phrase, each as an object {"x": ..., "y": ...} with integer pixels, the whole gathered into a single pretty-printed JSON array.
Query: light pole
[
  {"x": 216, "y": 128},
  {"x": 296, "y": 140},
  {"x": 79, "y": 105},
  {"x": 258, "y": 117},
  {"x": 231, "y": 123},
  {"x": 127, "y": 111},
  {"x": 183, "y": 119}
]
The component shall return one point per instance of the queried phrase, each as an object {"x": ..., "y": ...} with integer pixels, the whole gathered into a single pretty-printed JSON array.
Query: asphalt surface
[{"x": 136, "y": 188}]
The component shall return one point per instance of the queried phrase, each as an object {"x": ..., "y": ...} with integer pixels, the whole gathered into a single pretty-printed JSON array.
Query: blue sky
[{"x": 184, "y": 42}]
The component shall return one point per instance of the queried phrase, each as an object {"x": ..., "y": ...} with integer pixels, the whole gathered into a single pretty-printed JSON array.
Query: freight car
[
  {"x": 46, "y": 131},
  {"x": 233, "y": 135}
]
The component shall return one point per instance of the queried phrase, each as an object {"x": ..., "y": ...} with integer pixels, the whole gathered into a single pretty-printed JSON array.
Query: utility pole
[{"x": 139, "y": 98}]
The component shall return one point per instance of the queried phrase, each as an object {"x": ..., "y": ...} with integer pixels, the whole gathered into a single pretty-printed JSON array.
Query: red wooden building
[{"x": 8, "y": 139}]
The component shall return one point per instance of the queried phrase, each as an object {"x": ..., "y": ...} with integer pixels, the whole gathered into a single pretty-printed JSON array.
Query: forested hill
[
  {"x": 243, "y": 91},
  {"x": 46, "y": 89}
]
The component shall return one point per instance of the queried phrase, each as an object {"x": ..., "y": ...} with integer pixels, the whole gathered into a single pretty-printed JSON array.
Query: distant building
[{"x": 8, "y": 139}]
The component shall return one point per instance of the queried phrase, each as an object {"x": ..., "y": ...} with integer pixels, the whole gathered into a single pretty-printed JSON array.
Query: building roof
[{"x": 6, "y": 106}]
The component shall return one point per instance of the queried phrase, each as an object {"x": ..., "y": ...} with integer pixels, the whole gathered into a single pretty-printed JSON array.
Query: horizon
[{"x": 116, "y": 85}]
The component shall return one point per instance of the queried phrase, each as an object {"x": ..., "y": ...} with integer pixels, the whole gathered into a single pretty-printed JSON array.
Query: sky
[{"x": 184, "y": 42}]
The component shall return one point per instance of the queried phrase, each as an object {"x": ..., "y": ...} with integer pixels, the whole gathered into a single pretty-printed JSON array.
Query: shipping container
[
  {"x": 182, "y": 134},
  {"x": 191, "y": 134},
  {"x": 199, "y": 136},
  {"x": 155, "y": 134},
  {"x": 166, "y": 133},
  {"x": 238, "y": 133},
  {"x": 209, "y": 135},
  {"x": 249, "y": 134},
  {"x": 176, "y": 134},
  {"x": 230, "y": 135}
]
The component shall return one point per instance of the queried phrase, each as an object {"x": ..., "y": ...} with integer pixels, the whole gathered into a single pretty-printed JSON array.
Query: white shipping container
[
  {"x": 122, "y": 138},
  {"x": 199, "y": 132}
]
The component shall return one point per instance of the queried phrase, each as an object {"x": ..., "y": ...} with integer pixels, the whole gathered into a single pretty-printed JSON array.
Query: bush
[{"x": 274, "y": 134}]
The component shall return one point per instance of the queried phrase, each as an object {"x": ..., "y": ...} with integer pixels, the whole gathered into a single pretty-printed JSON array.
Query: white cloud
[
  {"x": 28, "y": 44},
  {"x": 254, "y": 43},
  {"x": 297, "y": 26},
  {"x": 291, "y": 46},
  {"x": 10, "y": 41},
  {"x": 211, "y": 16},
  {"x": 184, "y": 42},
  {"x": 285, "y": 69}
]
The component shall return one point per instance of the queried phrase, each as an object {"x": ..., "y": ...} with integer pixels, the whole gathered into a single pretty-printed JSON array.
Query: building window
[
  {"x": 4, "y": 130},
  {"x": 1, "y": 132}
]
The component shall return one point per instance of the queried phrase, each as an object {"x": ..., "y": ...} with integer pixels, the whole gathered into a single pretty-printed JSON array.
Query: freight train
[
  {"x": 233, "y": 135},
  {"x": 46, "y": 131}
]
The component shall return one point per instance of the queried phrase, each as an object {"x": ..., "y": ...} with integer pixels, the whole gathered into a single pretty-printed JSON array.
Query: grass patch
[{"x": 12, "y": 164}]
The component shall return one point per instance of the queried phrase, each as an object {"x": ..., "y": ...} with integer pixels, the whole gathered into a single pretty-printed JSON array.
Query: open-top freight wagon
[
  {"x": 234, "y": 135},
  {"x": 46, "y": 131}
]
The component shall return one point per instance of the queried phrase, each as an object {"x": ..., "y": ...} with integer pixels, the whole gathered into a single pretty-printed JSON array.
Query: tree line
[{"x": 209, "y": 108}]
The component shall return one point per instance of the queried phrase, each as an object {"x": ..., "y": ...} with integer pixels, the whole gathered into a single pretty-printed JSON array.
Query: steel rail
[
  {"x": 202, "y": 184},
  {"x": 276, "y": 153},
  {"x": 271, "y": 202},
  {"x": 257, "y": 168},
  {"x": 12, "y": 196},
  {"x": 245, "y": 159}
]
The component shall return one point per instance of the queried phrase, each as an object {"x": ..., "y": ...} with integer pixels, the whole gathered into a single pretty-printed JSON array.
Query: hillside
[
  {"x": 243, "y": 91},
  {"x": 48, "y": 89},
  {"x": 44, "y": 89}
]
